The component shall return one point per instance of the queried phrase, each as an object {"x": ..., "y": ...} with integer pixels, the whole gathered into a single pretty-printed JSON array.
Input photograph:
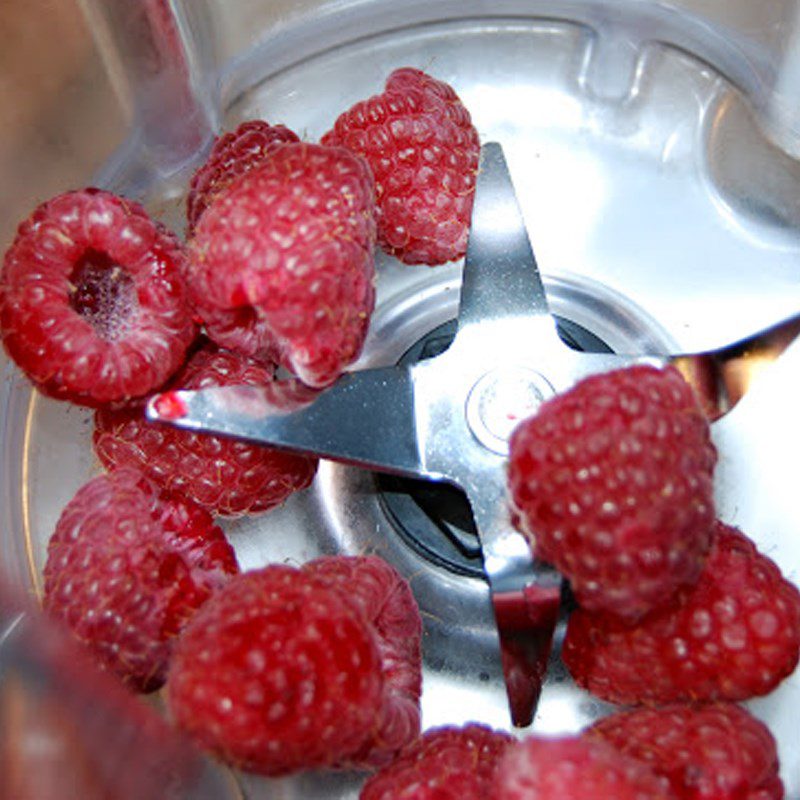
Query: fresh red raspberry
[
  {"x": 127, "y": 568},
  {"x": 225, "y": 476},
  {"x": 715, "y": 751},
  {"x": 444, "y": 764},
  {"x": 93, "y": 307},
  {"x": 574, "y": 768},
  {"x": 734, "y": 635},
  {"x": 277, "y": 673},
  {"x": 612, "y": 484},
  {"x": 232, "y": 154},
  {"x": 423, "y": 150},
  {"x": 281, "y": 266},
  {"x": 385, "y": 599}
]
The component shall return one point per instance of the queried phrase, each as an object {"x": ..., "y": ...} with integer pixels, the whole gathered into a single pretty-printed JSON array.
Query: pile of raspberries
[{"x": 286, "y": 668}]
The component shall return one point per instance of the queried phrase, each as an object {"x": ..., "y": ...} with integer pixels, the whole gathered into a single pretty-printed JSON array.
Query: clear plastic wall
[
  {"x": 228, "y": 45},
  {"x": 128, "y": 94}
]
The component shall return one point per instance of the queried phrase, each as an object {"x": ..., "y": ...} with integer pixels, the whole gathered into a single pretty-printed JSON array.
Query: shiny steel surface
[
  {"x": 447, "y": 418},
  {"x": 664, "y": 221},
  {"x": 433, "y": 416},
  {"x": 722, "y": 377},
  {"x": 328, "y": 424}
]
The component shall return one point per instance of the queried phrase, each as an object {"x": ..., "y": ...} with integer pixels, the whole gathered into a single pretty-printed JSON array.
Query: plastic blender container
[{"x": 653, "y": 147}]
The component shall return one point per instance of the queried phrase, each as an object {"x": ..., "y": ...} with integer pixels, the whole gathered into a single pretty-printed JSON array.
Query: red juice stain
[{"x": 169, "y": 406}]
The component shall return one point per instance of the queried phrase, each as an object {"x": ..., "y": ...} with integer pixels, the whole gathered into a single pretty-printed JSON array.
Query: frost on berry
[
  {"x": 574, "y": 768},
  {"x": 732, "y": 636},
  {"x": 612, "y": 483},
  {"x": 93, "y": 305},
  {"x": 423, "y": 151},
  {"x": 127, "y": 568},
  {"x": 281, "y": 265}
]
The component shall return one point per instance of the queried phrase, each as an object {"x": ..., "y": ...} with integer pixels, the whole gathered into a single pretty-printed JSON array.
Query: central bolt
[{"x": 500, "y": 400}]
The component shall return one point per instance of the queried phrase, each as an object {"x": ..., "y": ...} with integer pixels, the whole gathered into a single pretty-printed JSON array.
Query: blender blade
[{"x": 449, "y": 418}]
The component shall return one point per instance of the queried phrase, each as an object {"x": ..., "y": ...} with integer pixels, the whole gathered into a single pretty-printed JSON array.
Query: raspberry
[
  {"x": 612, "y": 484},
  {"x": 423, "y": 150},
  {"x": 385, "y": 600},
  {"x": 716, "y": 751},
  {"x": 225, "y": 476},
  {"x": 734, "y": 635},
  {"x": 127, "y": 568},
  {"x": 232, "y": 154},
  {"x": 277, "y": 673},
  {"x": 93, "y": 307},
  {"x": 444, "y": 764},
  {"x": 281, "y": 266},
  {"x": 574, "y": 768}
]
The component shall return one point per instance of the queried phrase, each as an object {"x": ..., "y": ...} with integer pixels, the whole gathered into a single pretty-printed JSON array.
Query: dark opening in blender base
[{"x": 435, "y": 519}]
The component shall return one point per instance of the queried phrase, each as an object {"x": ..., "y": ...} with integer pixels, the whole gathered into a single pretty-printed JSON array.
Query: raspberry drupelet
[
  {"x": 446, "y": 763},
  {"x": 281, "y": 266},
  {"x": 574, "y": 768},
  {"x": 278, "y": 673},
  {"x": 732, "y": 636},
  {"x": 707, "y": 751},
  {"x": 232, "y": 154},
  {"x": 388, "y": 605}
]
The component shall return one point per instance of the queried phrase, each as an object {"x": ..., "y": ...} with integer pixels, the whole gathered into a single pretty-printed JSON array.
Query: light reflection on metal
[
  {"x": 722, "y": 377},
  {"x": 420, "y": 421}
]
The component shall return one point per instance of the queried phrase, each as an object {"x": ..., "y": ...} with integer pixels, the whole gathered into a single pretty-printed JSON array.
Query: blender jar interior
[{"x": 651, "y": 145}]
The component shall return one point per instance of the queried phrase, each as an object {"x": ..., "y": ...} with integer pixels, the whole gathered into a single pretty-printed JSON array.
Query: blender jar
[{"x": 652, "y": 146}]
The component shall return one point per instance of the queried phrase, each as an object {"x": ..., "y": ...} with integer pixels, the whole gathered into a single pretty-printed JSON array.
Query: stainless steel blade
[
  {"x": 366, "y": 418},
  {"x": 722, "y": 377},
  {"x": 450, "y": 417},
  {"x": 526, "y": 596},
  {"x": 501, "y": 276}
]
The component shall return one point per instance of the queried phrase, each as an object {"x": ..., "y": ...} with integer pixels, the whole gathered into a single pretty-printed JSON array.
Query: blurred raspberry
[
  {"x": 281, "y": 264},
  {"x": 232, "y": 154},
  {"x": 574, "y": 768},
  {"x": 612, "y": 484},
  {"x": 734, "y": 635},
  {"x": 423, "y": 150},
  {"x": 127, "y": 568},
  {"x": 226, "y": 476},
  {"x": 93, "y": 306},
  {"x": 68, "y": 729}
]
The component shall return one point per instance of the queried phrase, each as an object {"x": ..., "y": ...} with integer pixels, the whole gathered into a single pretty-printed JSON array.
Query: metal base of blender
[
  {"x": 650, "y": 212},
  {"x": 435, "y": 519}
]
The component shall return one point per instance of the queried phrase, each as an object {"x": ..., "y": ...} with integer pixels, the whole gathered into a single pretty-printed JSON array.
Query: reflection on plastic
[{"x": 71, "y": 732}]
